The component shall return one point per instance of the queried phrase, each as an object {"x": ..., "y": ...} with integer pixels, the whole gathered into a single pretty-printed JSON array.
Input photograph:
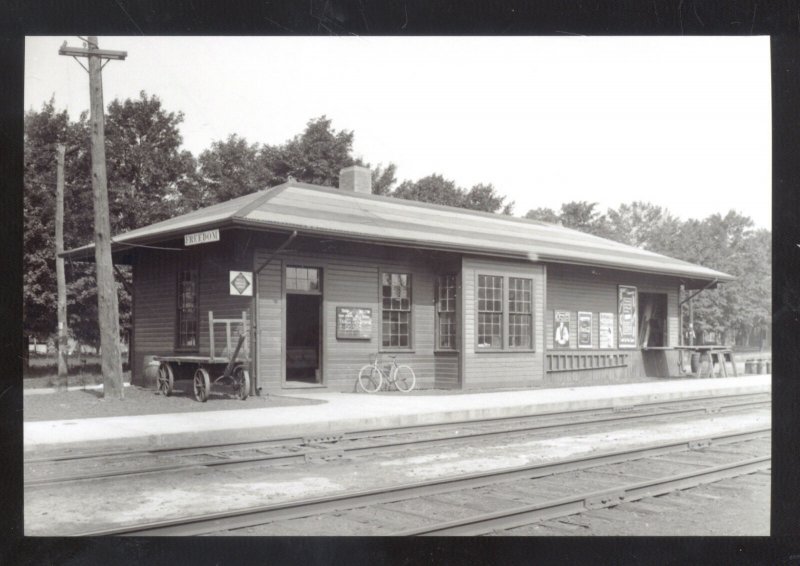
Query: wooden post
[
  {"x": 108, "y": 308},
  {"x": 60, "y": 277}
]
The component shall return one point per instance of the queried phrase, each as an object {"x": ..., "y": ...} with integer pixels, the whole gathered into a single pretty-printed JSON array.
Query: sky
[{"x": 681, "y": 122}]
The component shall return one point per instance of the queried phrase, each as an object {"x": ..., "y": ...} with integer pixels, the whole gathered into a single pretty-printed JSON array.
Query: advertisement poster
[
  {"x": 626, "y": 309},
  {"x": 584, "y": 329},
  {"x": 561, "y": 329},
  {"x": 606, "y": 329}
]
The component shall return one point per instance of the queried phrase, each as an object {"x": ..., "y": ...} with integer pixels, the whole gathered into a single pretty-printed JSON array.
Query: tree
[
  {"x": 645, "y": 225},
  {"x": 484, "y": 197},
  {"x": 383, "y": 179},
  {"x": 148, "y": 171},
  {"x": 578, "y": 215},
  {"x": 436, "y": 189},
  {"x": 432, "y": 189},
  {"x": 543, "y": 215},
  {"x": 316, "y": 156},
  {"x": 43, "y": 130},
  {"x": 230, "y": 169}
]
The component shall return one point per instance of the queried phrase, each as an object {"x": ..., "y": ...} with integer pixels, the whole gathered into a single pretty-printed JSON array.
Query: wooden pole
[
  {"x": 108, "y": 309},
  {"x": 60, "y": 277}
]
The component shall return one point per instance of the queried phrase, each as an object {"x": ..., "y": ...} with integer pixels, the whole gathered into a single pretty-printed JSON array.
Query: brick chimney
[{"x": 356, "y": 179}]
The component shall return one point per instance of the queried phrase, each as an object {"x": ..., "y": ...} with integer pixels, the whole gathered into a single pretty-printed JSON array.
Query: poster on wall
[
  {"x": 584, "y": 329},
  {"x": 353, "y": 323},
  {"x": 626, "y": 310},
  {"x": 561, "y": 329},
  {"x": 606, "y": 330}
]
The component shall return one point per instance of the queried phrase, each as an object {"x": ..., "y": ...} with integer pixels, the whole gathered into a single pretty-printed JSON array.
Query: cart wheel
[
  {"x": 165, "y": 379},
  {"x": 241, "y": 382},
  {"x": 202, "y": 384}
]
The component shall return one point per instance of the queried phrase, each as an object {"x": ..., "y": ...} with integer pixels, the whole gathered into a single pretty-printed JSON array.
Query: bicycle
[{"x": 371, "y": 376}]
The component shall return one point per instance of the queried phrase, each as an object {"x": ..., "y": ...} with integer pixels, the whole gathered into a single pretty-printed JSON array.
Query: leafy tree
[
  {"x": 316, "y": 156},
  {"x": 147, "y": 170},
  {"x": 578, "y": 215},
  {"x": 432, "y": 189},
  {"x": 485, "y": 197},
  {"x": 645, "y": 225},
  {"x": 436, "y": 189},
  {"x": 383, "y": 179},
  {"x": 230, "y": 169},
  {"x": 43, "y": 130},
  {"x": 543, "y": 215}
]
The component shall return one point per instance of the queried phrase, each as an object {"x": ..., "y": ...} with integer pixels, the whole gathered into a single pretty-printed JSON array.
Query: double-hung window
[
  {"x": 490, "y": 312},
  {"x": 504, "y": 313},
  {"x": 187, "y": 309},
  {"x": 446, "y": 312},
  {"x": 520, "y": 313},
  {"x": 396, "y": 302}
]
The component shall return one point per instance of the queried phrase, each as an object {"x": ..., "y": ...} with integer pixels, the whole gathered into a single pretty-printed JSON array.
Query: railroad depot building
[{"x": 327, "y": 277}]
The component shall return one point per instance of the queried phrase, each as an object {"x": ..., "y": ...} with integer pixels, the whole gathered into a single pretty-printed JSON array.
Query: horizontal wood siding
[
  {"x": 269, "y": 323},
  {"x": 154, "y": 309},
  {"x": 352, "y": 281},
  {"x": 576, "y": 288},
  {"x": 503, "y": 368},
  {"x": 155, "y": 297}
]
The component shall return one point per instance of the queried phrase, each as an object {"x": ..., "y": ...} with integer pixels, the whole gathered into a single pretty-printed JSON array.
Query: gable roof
[{"x": 324, "y": 211}]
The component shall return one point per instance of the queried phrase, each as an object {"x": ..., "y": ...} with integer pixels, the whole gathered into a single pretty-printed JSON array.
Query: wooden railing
[{"x": 585, "y": 361}]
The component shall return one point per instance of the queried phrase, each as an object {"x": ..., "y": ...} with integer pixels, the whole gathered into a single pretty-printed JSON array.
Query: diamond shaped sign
[{"x": 241, "y": 283}]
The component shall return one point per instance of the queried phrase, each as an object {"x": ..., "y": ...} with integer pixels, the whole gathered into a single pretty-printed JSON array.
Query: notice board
[{"x": 353, "y": 323}]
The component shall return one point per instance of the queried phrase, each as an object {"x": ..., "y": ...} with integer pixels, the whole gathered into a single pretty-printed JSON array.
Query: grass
[{"x": 42, "y": 371}]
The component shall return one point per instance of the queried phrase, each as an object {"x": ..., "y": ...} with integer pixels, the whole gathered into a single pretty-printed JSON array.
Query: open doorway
[
  {"x": 653, "y": 320},
  {"x": 303, "y": 325}
]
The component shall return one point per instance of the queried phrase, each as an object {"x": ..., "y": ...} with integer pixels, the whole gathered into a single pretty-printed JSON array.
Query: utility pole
[
  {"x": 60, "y": 278},
  {"x": 108, "y": 308}
]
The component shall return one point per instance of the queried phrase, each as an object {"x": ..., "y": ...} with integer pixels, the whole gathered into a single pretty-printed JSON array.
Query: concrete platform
[{"x": 358, "y": 411}]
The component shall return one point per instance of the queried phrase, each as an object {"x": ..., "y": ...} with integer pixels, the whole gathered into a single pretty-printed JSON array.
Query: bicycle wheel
[
  {"x": 404, "y": 379},
  {"x": 370, "y": 378}
]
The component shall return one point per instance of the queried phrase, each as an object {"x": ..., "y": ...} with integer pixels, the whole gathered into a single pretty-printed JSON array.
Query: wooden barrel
[{"x": 695, "y": 362}]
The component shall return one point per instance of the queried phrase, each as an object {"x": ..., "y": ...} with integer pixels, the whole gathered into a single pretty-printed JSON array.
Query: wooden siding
[
  {"x": 155, "y": 297},
  {"x": 351, "y": 279},
  {"x": 576, "y": 288},
  {"x": 505, "y": 368}
]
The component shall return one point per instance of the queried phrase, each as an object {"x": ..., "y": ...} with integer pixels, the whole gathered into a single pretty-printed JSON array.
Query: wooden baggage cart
[{"x": 233, "y": 368}]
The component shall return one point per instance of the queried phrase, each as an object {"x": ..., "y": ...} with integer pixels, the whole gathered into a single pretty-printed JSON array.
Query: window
[
  {"x": 302, "y": 279},
  {"x": 520, "y": 313},
  {"x": 446, "y": 312},
  {"x": 187, "y": 309},
  {"x": 396, "y": 295},
  {"x": 490, "y": 311}
]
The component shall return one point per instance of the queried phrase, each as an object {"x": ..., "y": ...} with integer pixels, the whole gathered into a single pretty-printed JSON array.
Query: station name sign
[{"x": 201, "y": 237}]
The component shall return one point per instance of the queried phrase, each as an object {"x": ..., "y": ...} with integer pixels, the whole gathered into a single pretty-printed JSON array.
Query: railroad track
[
  {"x": 44, "y": 471},
  {"x": 469, "y": 504}
]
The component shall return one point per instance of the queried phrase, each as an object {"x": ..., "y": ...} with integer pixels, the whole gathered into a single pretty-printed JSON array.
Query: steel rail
[
  {"x": 386, "y": 431},
  {"x": 231, "y": 520},
  {"x": 329, "y": 453},
  {"x": 572, "y": 505}
]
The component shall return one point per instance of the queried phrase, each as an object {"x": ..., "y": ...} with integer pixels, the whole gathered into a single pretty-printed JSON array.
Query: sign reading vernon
[
  {"x": 241, "y": 283},
  {"x": 201, "y": 237}
]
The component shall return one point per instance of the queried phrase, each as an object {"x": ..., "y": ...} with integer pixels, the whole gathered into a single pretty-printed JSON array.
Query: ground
[{"x": 90, "y": 403}]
